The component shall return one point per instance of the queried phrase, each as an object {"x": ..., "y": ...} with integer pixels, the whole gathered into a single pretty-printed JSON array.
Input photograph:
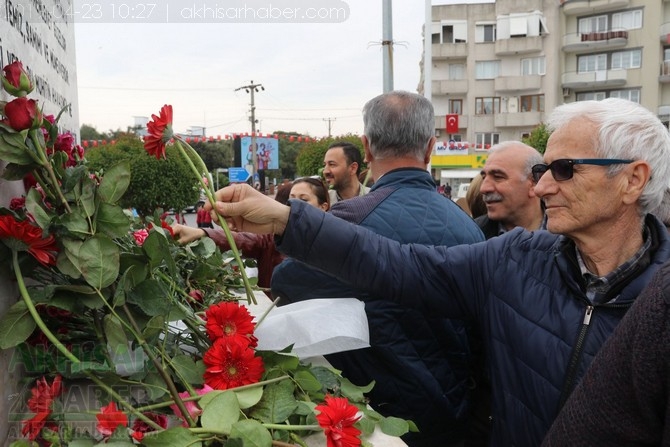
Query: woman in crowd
[{"x": 260, "y": 247}]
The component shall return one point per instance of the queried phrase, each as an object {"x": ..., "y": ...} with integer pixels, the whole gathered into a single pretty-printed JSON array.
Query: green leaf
[
  {"x": 99, "y": 261},
  {"x": 76, "y": 223},
  {"x": 81, "y": 443},
  {"x": 34, "y": 207},
  {"x": 221, "y": 412},
  {"x": 249, "y": 397},
  {"x": 188, "y": 369},
  {"x": 16, "y": 325},
  {"x": 393, "y": 426},
  {"x": 252, "y": 433},
  {"x": 115, "y": 182},
  {"x": 307, "y": 381},
  {"x": 13, "y": 148},
  {"x": 174, "y": 437},
  {"x": 277, "y": 404},
  {"x": 65, "y": 265},
  {"x": 156, "y": 247},
  {"x": 115, "y": 334},
  {"x": 87, "y": 198},
  {"x": 151, "y": 297},
  {"x": 355, "y": 393},
  {"x": 153, "y": 328},
  {"x": 112, "y": 221},
  {"x": 14, "y": 172}
]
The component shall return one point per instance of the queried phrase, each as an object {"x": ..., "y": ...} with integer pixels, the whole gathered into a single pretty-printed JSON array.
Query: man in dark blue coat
[
  {"x": 422, "y": 365},
  {"x": 546, "y": 301}
]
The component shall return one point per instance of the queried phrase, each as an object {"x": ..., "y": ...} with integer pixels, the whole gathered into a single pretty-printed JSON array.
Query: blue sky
[{"x": 310, "y": 71}]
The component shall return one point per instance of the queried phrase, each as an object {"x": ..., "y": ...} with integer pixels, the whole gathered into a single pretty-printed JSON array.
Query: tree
[
  {"x": 310, "y": 158},
  {"x": 167, "y": 184},
  {"x": 88, "y": 132},
  {"x": 538, "y": 138},
  {"x": 215, "y": 154}
]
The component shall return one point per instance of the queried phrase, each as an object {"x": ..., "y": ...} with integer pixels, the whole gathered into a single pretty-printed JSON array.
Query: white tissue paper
[{"x": 315, "y": 327}]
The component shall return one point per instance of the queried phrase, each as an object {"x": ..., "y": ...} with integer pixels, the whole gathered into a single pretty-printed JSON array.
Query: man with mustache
[{"x": 508, "y": 189}]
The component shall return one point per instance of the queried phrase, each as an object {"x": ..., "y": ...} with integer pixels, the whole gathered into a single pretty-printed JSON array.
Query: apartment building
[{"x": 499, "y": 68}]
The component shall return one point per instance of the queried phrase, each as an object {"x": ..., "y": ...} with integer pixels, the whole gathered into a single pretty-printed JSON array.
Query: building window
[
  {"x": 595, "y": 24},
  {"x": 632, "y": 94},
  {"x": 485, "y": 33},
  {"x": 627, "y": 59},
  {"x": 487, "y": 69},
  {"x": 484, "y": 141},
  {"x": 591, "y": 62},
  {"x": 487, "y": 106},
  {"x": 533, "y": 66},
  {"x": 591, "y": 96},
  {"x": 455, "y": 32},
  {"x": 627, "y": 19},
  {"x": 457, "y": 72},
  {"x": 456, "y": 106},
  {"x": 532, "y": 103}
]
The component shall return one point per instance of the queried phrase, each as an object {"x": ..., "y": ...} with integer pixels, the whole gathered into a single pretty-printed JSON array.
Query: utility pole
[
  {"x": 329, "y": 121},
  {"x": 387, "y": 45},
  {"x": 252, "y": 88}
]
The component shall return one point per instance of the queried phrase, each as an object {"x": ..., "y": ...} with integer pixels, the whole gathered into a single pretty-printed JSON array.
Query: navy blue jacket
[
  {"x": 522, "y": 289},
  {"x": 421, "y": 365}
]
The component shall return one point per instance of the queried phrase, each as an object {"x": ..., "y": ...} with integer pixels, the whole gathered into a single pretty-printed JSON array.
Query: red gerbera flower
[
  {"x": 337, "y": 418},
  {"x": 23, "y": 236},
  {"x": 230, "y": 364},
  {"x": 40, "y": 402},
  {"x": 230, "y": 320},
  {"x": 159, "y": 132},
  {"x": 109, "y": 418}
]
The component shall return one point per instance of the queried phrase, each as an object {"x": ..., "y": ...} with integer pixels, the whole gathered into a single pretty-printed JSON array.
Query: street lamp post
[{"x": 253, "y": 88}]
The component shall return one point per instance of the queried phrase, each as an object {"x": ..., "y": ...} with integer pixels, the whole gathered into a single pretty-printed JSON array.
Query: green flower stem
[
  {"x": 159, "y": 367},
  {"x": 71, "y": 357},
  {"x": 33, "y": 311},
  {"x": 46, "y": 164},
  {"x": 197, "y": 398},
  {"x": 184, "y": 294},
  {"x": 222, "y": 222}
]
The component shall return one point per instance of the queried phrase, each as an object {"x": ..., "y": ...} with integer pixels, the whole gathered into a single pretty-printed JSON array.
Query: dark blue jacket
[
  {"x": 523, "y": 290},
  {"x": 421, "y": 365}
]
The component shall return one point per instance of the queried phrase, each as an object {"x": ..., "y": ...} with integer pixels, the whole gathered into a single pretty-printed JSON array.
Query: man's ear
[
  {"x": 636, "y": 179},
  {"x": 366, "y": 148},
  {"x": 429, "y": 150}
]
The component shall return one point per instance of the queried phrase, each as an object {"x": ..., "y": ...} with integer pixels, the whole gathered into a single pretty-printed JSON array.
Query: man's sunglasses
[{"x": 564, "y": 169}]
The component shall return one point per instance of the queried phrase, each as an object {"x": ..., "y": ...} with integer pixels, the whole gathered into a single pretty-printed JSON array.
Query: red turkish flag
[{"x": 452, "y": 123}]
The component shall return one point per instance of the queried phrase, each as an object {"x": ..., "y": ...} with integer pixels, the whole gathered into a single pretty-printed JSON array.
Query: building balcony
[
  {"x": 441, "y": 122},
  {"x": 519, "y": 119},
  {"x": 664, "y": 76},
  {"x": 665, "y": 32},
  {"x": 664, "y": 111},
  {"x": 519, "y": 45},
  {"x": 446, "y": 51},
  {"x": 585, "y": 42},
  {"x": 594, "y": 79},
  {"x": 517, "y": 83},
  {"x": 581, "y": 7},
  {"x": 458, "y": 87}
]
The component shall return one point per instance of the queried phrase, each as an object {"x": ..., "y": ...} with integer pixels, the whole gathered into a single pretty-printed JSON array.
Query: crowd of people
[{"x": 541, "y": 321}]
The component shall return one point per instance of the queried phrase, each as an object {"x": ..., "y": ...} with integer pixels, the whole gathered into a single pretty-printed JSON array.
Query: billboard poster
[
  {"x": 451, "y": 147},
  {"x": 267, "y": 152}
]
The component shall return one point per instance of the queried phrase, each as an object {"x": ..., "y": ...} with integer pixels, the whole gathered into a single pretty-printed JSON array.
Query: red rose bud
[
  {"x": 23, "y": 113},
  {"x": 15, "y": 80}
]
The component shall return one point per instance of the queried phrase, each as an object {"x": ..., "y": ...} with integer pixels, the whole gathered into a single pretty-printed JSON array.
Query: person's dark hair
[
  {"x": 399, "y": 124},
  {"x": 351, "y": 152},
  {"x": 283, "y": 192},
  {"x": 319, "y": 188}
]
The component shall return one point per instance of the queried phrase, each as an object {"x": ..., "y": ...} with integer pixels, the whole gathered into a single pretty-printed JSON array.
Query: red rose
[
  {"x": 64, "y": 142},
  {"x": 23, "y": 113},
  {"x": 15, "y": 80}
]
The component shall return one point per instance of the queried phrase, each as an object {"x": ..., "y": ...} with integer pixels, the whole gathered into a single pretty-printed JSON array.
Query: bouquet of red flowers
[{"x": 127, "y": 337}]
